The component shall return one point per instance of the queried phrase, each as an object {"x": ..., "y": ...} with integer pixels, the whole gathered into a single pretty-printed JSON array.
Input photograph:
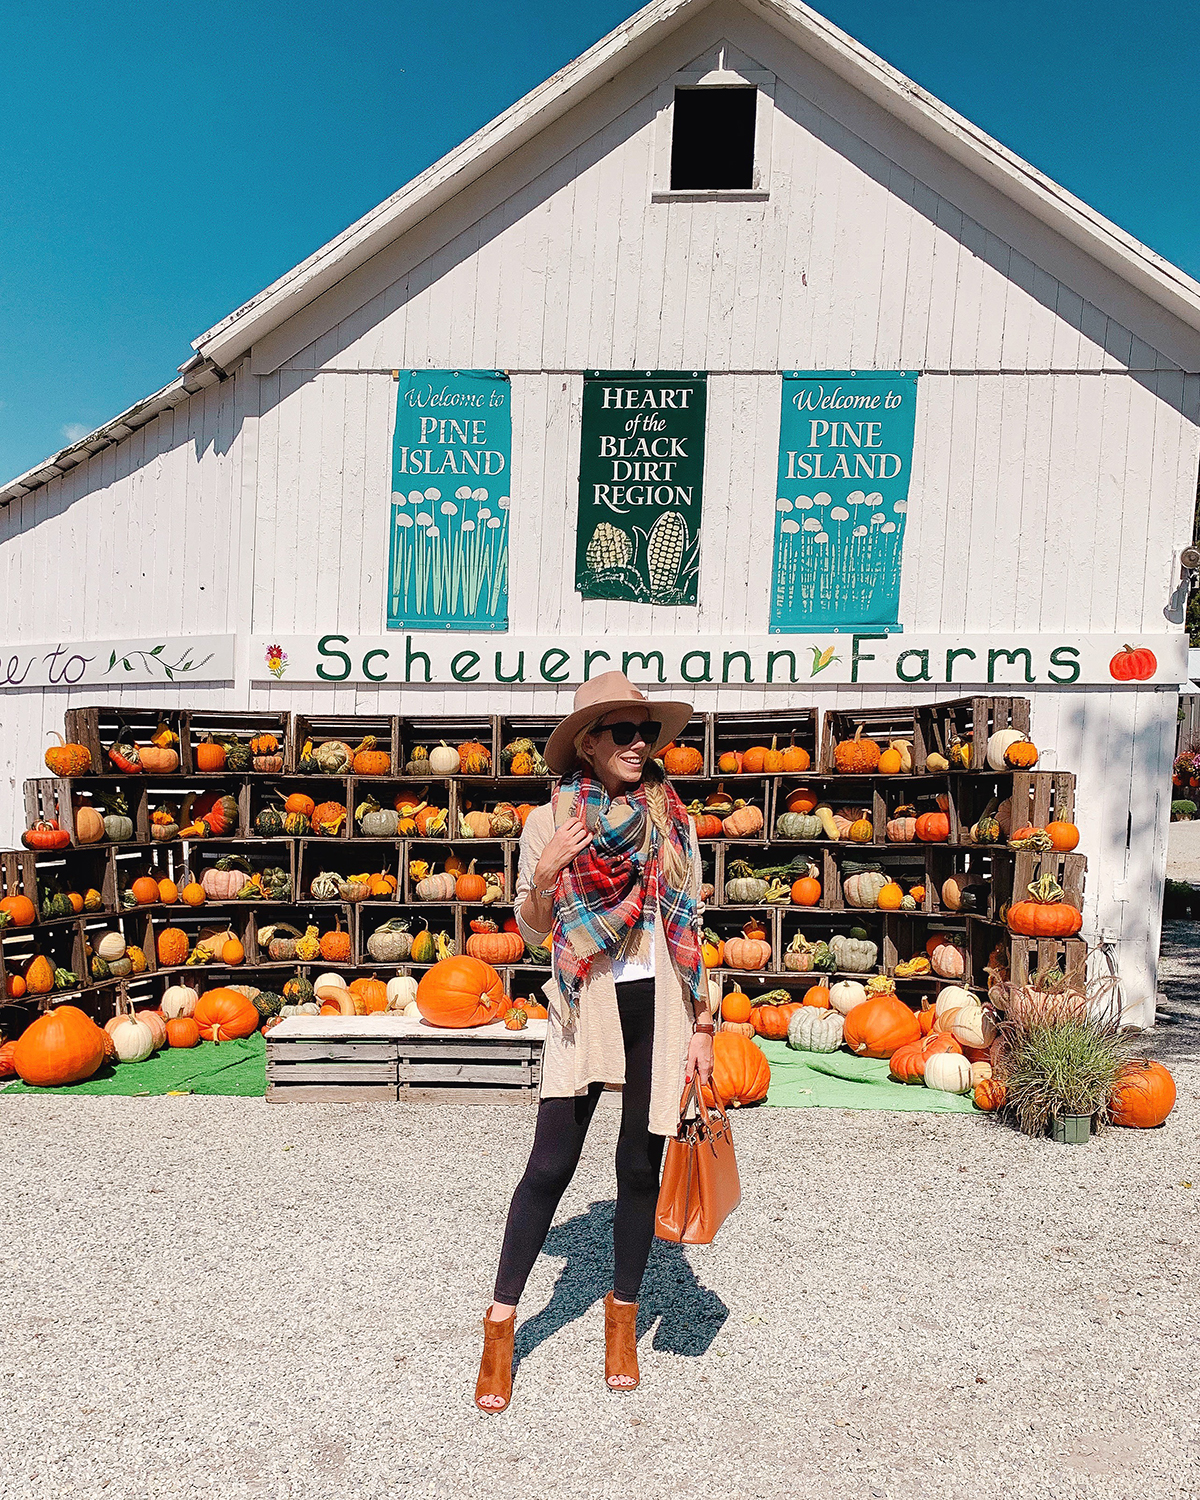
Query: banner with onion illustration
[
  {"x": 448, "y": 543},
  {"x": 845, "y": 456}
]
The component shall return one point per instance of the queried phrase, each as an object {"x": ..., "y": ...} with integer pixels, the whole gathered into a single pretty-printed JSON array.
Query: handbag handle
[{"x": 692, "y": 1091}]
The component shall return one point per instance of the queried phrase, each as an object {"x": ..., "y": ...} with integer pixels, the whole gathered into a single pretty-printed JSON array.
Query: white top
[{"x": 626, "y": 970}]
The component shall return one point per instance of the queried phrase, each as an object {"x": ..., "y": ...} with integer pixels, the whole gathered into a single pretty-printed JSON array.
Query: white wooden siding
[{"x": 1052, "y": 487}]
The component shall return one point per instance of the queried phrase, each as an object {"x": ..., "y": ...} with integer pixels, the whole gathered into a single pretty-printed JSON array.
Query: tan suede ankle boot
[
  {"x": 495, "y": 1368},
  {"x": 620, "y": 1343}
]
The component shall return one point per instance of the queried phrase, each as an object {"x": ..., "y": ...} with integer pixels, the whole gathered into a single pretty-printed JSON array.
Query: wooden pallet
[{"x": 344, "y": 1060}]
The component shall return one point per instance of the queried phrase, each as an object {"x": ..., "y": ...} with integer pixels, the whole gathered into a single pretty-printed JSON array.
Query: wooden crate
[
  {"x": 1015, "y": 870},
  {"x": 351, "y": 729},
  {"x": 1030, "y": 956},
  {"x": 198, "y": 723},
  {"x": 54, "y": 797},
  {"x": 879, "y": 724},
  {"x": 439, "y": 916},
  {"x": 535, "y": 727},
  {"x": 390, "y": 1057},
  {"x": 97, "y": 728},
  {"x": 1038, "y": 797},
  {"x": 974, "y": 719},
  {"x": 819, "y": 925},
  {"x": 739, "y": 731},
  {"x": 430, "y": 730},
  {"x": 363, "y": 856}
]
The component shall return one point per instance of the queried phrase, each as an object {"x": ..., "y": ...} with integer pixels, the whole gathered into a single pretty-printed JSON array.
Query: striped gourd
[
  {"x": 664, "y": 551},
  {"x": 608, "y": 548}
]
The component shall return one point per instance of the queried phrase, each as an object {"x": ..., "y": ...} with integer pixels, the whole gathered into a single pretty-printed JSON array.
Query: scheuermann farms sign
[{"x": 872, "y": 659}]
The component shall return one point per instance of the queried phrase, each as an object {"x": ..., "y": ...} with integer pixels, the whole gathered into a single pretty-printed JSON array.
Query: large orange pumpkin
[
  {"x": 460, "y": 991},
  {"x": 772, "y": 1020},
  {"x": 741, "y": 1074},
  {"x": 880, "y": 1026},
  {"x": 63, "y": 1046},
  {"x": 224, "y": 1015},
  {"x": 1143, "y": 1096}
]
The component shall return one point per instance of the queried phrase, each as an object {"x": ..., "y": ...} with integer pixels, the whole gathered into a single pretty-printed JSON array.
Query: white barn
[{"x": 1056, "y": 448}]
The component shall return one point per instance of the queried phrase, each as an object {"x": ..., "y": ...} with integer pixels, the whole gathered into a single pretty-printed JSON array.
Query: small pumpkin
[
  {"x": 1046, "y": 913},
  {"x": 998, "y": 745},
  {"x": 172, "y": 947},
  {"x": 933, "y": 827},
  {"x": 798, "y": 825},
  {"x": 989, "y": 1094},
  {"x": 183, "y": 1031},
  {"x": 683, "y": 760},
  {"x": 743, "y": 822},
  {"x": 948, "y": 1073},
  {"x": 335, "y": 945},
  {"x": 853, "y": 955},
  {"x": 901, "y": 827},
  {"x": 65, "y": 759}
]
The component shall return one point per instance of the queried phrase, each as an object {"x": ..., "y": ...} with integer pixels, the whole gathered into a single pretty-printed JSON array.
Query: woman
[{"x": 610, "y": 870}]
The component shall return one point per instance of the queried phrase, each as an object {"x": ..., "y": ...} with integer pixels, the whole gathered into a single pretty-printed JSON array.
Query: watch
[{"x": 703, "y": 1028}]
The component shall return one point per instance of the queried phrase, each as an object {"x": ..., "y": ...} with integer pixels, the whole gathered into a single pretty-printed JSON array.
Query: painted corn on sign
[
  {"x": 641, "y": 471},
  {"x": 451, "y": 460},
  {"x": 845, "y": 456}
]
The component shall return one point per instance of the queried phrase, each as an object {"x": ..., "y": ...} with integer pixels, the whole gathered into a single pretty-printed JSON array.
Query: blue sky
[{"x": 159, "y": 166}]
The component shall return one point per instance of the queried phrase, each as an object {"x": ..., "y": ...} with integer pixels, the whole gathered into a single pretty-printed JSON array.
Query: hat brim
[{"x": 559, "y": 753}]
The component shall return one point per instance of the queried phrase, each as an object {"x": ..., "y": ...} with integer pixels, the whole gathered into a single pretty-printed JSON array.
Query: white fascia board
[{"x": 1153, "y": 275}]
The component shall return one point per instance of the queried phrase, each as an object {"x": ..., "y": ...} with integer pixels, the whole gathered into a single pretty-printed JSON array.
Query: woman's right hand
[{"x": 568, "y": 840}]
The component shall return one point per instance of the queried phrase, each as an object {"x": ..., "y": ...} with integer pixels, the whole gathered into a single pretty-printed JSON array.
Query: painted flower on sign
[{"x": 277, "y": 660}]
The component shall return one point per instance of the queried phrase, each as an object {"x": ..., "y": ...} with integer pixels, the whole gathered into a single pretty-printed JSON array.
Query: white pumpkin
[
  {"x": 444, "y": 760},
  {"x": 812, "y": 1029},
  {"x": 413, "y": 1011},
  {"x": 328, "y": 982},
  {"x": 998, "y": 743},
  {"x": 133, "y": 1040},
  {"x": 952, "y": 997},
  {"x": 980, "y": 1071},
  {"x": 401, "y": 991},
  {"x": 948, "y": 1073},
  {"x": 971, "y": 1026},
  {"x": 110, "y": 947},
  {"x": 845, "y": 995},
  {"x": 178, "y": 1000}
]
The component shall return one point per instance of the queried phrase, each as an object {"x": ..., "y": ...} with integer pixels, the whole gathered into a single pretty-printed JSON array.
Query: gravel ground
[
  {"x": 217, "y": 1296},
  {"x": 1183, "y": 852}
]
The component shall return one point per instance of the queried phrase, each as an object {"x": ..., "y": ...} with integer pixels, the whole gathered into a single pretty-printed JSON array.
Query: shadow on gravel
[
  {"x": 691, "y": 1315},
  {"x": 1177, "y": 1032}
]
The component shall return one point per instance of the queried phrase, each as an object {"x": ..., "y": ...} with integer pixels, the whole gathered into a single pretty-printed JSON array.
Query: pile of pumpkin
[
  {"x": 66, "y": 1046},
  {"x": 806, "y": 817},
  {"x": 1007, "y": 750},
  {"x": 468, "y": 759},
  {"x": 409, "y": 816},
  {"x": 456, "y": 992},
  {"x": 761, "y": 760},
  {"x": 723, "y": 816},
  {"x": 504, "y": 821},
  {"x": 945, "y": 1046},
  {"x": 332, "y": 885},
  {"x": 175, "y": 950},
  {"x": 455, "y": 882},
  {"x": 337, "y": 758},
  {"x": 300, "y": 815}
]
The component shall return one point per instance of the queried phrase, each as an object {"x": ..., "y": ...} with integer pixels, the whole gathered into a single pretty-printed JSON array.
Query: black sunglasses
[{"x": 623, "y": 733}]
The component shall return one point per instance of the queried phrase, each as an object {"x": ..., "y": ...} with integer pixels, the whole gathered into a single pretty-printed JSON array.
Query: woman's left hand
[{"x": 700, "y": 1057}]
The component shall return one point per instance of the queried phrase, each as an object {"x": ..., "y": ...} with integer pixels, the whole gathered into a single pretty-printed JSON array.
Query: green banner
[{"x": 641, "y": 475}]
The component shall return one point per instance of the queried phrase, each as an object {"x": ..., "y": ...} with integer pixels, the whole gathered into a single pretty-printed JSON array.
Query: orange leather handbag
[{"x": 700, "y": 1186}]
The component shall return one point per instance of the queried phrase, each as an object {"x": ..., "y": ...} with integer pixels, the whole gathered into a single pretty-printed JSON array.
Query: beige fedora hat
[{"x": 603, "y": 694}]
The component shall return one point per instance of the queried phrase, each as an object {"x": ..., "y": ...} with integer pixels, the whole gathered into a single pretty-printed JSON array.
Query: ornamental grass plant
[{"x": 1061, "y": 1050}]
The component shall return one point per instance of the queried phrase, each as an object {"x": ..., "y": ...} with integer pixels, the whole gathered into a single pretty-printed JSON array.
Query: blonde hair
[{"x": 677, "y": 862}]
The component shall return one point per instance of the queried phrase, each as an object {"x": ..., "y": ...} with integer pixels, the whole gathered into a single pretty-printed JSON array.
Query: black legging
[{"x": 557, "y": 1143}]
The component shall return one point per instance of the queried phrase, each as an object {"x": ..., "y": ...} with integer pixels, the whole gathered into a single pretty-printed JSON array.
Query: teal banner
[
  {"x": 845, "y": 457},
  {"x": 451, "y": 459}
]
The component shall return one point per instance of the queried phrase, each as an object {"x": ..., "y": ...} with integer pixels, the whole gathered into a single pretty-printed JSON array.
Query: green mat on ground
[
  {"x": 237, "y": 1069},
  {"x": 836, "y": 1080}
]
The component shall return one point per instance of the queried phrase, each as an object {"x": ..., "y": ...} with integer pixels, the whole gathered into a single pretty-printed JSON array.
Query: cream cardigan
[{"x": 590, "y": 1050}]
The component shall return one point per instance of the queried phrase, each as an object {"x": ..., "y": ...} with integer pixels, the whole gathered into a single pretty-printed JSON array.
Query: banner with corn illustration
[
  {"x": 845, "y": 456},
  {"x": 451, "y": 457},
  {"x": 641, "y": 472}
]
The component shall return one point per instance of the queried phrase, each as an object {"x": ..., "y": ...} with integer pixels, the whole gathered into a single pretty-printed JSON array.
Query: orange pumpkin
[
  {"x": 210, "y": 756},
  {"x": 806, "y": 891},
  {"x": 182, "y": 1031},
  {"x": 759, "y": 758},
  {"x": 795, "y": 758},
  {"x": 933, "y": 828},
  {"x": 232, "y": 952},
  {"x": 858, "y": 755},
  {"x": 20, "y": 909},
  {"x": 469, "y": 886},
  {"x": 741, "y": 1074},
  {"x": 683, "y": 760},
  {"x": 729, "y": 763},
  {"x": 459, "y": 992},
  {"x": 61, "y": 1047},
  {"x": 802, "y": 800},
  {"x": 335, "y": 945},
  {"x": 735, "y": 1006},
  {"x": 1064, "y": 836},
  {"x": 908, "y": 1062},
  {"x": 879, "y": 1026},
  {"x": 771, "y": 1021},
  {"x": 144, "y": 891},
  {"x": 989, "y": 1094},
  {"x": 372, "y": 992},
  {"x": 300, "y": 803},
  {"x": 817, "y": 995},
  {"x": 496, "y": 947},
  {"x": 1143, "y": 1096},
  {"x": 224, "y": 1015},
  {"x": 168, "y": 892}
]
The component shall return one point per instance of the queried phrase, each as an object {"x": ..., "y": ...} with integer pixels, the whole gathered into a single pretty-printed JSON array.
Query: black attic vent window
[{"x": 712, "y": 143}]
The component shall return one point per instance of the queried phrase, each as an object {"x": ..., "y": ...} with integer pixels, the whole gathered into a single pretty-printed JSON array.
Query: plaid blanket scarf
[{"x": 607, "y": 897}]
